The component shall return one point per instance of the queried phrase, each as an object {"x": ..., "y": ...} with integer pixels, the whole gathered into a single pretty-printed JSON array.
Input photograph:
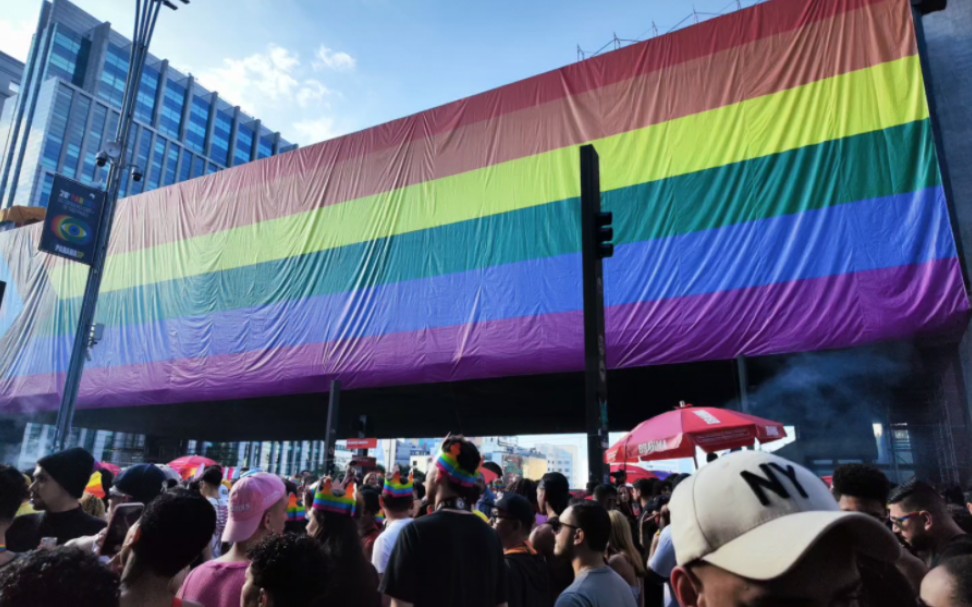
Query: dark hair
[
  {"x": 862, "y": 481},
  {"x": 602, "y": 492},
  {"x": 918, "y": 495},
  {"x": 469, "y": 459},
  {"x": 645, "y": 486},
  {"x": 13, "y": 492},
  {"x": 556, "y": 490},
  {"x": 291, "y": 569},
  {"x": 419, "y": 490},
  {"x": 212, "y": 475},
  {"x": 960, "y": 568},
  {"x": 369, "y": 499},
  {"x": 61, "y": 576},
  {"x": 174, "y": 530},
  {"x": 337, "y": 535},
  {"x": 527, "y": 488},
  {"x": 594, "y": 521}
]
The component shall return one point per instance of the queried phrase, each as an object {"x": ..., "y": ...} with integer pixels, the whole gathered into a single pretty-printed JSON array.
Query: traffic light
[{"x": 604, "y": 234}]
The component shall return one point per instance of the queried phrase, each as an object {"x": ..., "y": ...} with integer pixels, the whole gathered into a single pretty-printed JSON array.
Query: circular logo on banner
[{"x": 72, "y": 229}]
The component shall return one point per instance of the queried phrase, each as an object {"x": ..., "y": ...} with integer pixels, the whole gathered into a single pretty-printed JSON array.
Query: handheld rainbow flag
[
  {"x": 326, "y": 501},
  {"x": 96, "y": 486},
  {"x": 296, "y": 513}
]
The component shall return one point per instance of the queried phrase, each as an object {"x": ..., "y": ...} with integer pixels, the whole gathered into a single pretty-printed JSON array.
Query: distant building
[
  {"x": 61, "y": 108},
  {"x": 11, "y": 73},
  {"x": 561, "y": 458}
]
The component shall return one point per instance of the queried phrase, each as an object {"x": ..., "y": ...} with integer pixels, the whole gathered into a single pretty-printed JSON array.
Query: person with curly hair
[
  {"x": 285, "y": 570},
  {"x": 58, "y": 577}
]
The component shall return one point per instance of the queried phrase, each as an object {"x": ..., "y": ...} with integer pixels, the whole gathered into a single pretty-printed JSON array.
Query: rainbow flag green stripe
[
  {"x": 626, "y": 161},
  {"x": 793, "y": 182}
]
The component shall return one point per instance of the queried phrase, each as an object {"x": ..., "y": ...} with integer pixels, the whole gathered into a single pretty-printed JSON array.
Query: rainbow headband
[
  {"x": 448, "y": 464},
  {"x": 295, "y": 510},
  {"x": 326, "y": 501},
  {"x": 395, "y": 488}
]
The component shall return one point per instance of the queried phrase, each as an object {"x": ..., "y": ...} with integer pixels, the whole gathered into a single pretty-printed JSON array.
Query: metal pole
[
  {"x": 595, "y": 355},
  {"x": 742, "y": 373},
  {"x": 146, "y": 14},
  {"x": 330, "y": 434}
]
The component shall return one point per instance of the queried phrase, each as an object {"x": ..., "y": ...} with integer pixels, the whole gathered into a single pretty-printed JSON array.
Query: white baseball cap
[{"x": 755, "y": 514}]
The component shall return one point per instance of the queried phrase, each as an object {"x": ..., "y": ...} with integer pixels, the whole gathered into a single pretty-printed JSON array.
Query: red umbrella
[
  {"x": 677, "y": 433},
  {"x": 188, "y": 465},
  {"x": 635, "y": 472}
]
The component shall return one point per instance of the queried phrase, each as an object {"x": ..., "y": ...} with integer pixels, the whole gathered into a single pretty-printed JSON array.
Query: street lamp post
[{"x": 116, "y": 154}]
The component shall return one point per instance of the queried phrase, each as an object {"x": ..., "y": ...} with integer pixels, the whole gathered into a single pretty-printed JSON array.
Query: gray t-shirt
[{"x": 601, "y": 587}]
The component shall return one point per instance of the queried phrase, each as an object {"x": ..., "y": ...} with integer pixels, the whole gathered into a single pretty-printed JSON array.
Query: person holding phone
[{"x": 59, "y": 482}]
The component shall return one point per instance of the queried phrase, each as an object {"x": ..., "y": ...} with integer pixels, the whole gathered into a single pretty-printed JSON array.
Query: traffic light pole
[
  {"x": 146, "y": 14},
  {"x": 595, "y": 245}
]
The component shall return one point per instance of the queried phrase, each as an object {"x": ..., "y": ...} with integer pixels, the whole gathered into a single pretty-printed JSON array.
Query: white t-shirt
[
  {"x": 385, "y": 543},
  {"x": 663, "y": 562}
]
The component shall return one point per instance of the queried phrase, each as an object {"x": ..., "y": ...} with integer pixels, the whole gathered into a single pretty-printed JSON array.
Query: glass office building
[{"x": 66, "y": 107}]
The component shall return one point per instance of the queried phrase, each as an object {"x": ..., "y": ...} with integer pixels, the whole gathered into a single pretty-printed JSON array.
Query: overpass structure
[{"x": 776, "y": 185}]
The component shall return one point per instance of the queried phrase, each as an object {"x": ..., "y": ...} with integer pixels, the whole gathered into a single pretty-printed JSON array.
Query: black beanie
[{"x": 71, "y": 469}]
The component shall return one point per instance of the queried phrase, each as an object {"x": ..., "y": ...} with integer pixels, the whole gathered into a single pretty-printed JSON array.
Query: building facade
[
  {"x": 66, "y": 108},
  {"x": 11, "y": 73}
]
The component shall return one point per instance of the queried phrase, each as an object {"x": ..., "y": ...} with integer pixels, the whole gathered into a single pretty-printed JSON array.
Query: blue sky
[{"x": 314, "y": 69}]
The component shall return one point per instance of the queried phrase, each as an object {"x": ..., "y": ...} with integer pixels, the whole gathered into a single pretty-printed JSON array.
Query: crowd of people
[{"x": 749, "y": 529}]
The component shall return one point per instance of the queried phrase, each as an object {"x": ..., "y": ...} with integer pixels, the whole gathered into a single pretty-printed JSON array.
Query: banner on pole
[
  {"x": 73, "y": 216},
  {"x": 362, "y": 443}
]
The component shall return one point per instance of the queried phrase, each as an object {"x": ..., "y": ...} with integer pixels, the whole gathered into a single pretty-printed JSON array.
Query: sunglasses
[{"x": 557, "y": 525}]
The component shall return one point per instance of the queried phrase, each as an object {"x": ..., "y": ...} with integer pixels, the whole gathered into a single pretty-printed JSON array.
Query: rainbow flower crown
[
  {"x": 326, "y": 501},
  {"x": 396, "y": 489},
  {"x": 448, "y": 464},
  {"x": 295, "y": 510}
]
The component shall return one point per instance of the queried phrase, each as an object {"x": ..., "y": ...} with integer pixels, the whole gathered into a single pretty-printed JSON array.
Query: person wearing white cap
[
  {"x": 257, "y": 509},
  {"x": 753, "y": 529}
]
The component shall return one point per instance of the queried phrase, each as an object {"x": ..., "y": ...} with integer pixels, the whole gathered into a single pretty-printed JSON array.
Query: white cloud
[
  {"x": 16, "y": 35},
  {"x": 278, "y": 88},
  {"x": 311, "y": 93},
  {"x": 318, "y": 129},
  {"x": 328, "y": 59}
]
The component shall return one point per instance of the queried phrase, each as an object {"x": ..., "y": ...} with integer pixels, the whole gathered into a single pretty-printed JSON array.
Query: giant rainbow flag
[{"x": 772, "y": 174}]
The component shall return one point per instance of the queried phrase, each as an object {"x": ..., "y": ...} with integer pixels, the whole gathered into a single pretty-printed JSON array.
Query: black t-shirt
[
  {"x": 529, "y": 581},
  {"x": 447, "y": 559},
  {"x": 957, "y": 546},
  {"x": 26, "y": 531}
]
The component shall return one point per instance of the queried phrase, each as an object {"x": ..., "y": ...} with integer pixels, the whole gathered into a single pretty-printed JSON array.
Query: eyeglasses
[
  {"x": 900, "y": 521},
  {"x": 557, "y": 525}
]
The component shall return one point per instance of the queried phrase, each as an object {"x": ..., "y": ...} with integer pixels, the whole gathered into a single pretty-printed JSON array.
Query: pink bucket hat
[{"x": 250, "y": 498}]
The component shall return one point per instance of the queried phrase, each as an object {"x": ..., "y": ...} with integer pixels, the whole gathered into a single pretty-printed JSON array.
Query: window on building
[
  {"x": 60, "y": 113},
  {"x": 222, "y": 131},
  {"x": 75, "y": 135},
  {"x": 154, "y": 175},
  {"x": 46, "y": 186},
  {"x": 198, "y": 166},
  {"x": 111, "y": 88},
  {"x": 145, "y": 102},
  {"x": 244, "y": 145},
  {"x": 265, "y": 148},
  {"x": 63, "y": 59},
  {"x": 186, "y": 167},
  {"x": 171, "y": 164},
  {"x": 173, "y": 102},
  {"x": 90, "y": 167},
  {"x": 198, "y": 121}
]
